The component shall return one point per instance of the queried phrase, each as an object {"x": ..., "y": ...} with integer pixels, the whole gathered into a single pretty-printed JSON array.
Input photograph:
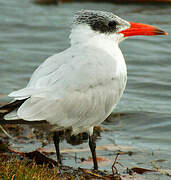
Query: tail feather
[{"x": 8, "y": 108}]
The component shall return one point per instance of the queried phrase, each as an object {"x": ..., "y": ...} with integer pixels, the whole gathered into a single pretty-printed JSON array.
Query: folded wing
[{"x": 78, "y": 91}]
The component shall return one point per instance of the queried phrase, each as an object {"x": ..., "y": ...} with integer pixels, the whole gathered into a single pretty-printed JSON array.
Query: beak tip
[{"x": 160, "y": 32}]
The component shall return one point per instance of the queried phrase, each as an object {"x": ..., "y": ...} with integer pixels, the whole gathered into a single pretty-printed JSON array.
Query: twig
[
  {"x": 91, "y": 173},
  {"x": 113, "y": 166},
  {"x": 5, "y": 132}
]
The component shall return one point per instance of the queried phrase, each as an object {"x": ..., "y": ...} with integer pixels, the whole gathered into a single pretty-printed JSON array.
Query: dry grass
[
  {"x": 15, "y": 169},
  {"x": 11, "y": 168}
]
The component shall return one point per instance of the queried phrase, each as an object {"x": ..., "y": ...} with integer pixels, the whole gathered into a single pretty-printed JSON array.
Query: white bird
[{"x": 78, "y": 88}]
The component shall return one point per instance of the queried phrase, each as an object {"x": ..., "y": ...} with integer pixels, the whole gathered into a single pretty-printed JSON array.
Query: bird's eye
[{"x": 112, "y": 24}]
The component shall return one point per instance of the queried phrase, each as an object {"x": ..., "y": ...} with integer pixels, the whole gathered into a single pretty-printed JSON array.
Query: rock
[{"x": 46, "y": 2}]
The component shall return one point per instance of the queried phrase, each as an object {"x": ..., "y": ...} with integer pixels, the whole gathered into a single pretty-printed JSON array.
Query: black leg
[
  {"x": 56, "y": 141},
  {"x": 92, "y": 146}
]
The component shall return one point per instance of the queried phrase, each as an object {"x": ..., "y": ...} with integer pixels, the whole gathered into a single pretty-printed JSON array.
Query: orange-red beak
[{"x": 138, "y": 29}]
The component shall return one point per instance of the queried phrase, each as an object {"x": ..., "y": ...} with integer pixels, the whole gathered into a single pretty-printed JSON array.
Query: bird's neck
[
  {"x": 81, "y": 34},
  {"x": 84, "y": 37}
]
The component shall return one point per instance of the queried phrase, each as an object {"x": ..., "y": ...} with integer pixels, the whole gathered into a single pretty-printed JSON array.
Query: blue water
[{"x": 29, "y": 33}]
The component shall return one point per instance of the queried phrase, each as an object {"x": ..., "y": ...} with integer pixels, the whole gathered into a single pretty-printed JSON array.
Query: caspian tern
[{"x": 79, "y": 87}]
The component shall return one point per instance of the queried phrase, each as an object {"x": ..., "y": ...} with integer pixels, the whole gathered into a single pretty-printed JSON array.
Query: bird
[{"x": 79, "y": 87}]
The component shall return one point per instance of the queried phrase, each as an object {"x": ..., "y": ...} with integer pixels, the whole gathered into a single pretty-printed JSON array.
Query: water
[{"x": 30, "y": 33}]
